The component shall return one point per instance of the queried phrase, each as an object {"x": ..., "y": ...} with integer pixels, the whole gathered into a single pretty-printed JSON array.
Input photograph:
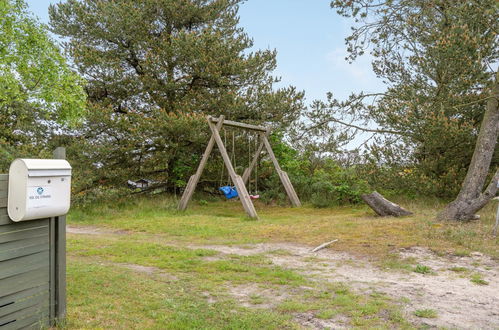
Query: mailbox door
[
  {"x": 24, "y": 270},
  {"x": 47, "y": 196}
]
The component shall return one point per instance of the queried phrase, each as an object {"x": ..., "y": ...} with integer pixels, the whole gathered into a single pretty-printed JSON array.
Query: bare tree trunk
[
  {"x": 383, "y": 206},
  {"x": 472, "y": 197}
]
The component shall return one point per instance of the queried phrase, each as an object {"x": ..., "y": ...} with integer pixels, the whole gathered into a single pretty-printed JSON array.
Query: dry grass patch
[{"x": 358, "y": 230}]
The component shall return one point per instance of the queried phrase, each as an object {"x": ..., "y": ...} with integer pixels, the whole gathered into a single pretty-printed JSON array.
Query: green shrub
[
  {"x": 426, "y": 313},
  {"x": 334, "y": 185},
  {"x": 322, "y": 182},
  {"x": 421, "y": 269},
  {"x": 478, "y": 279}
]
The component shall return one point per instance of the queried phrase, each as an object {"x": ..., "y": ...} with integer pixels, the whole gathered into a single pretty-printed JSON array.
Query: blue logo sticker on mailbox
[{"x": 39, "y": 190}]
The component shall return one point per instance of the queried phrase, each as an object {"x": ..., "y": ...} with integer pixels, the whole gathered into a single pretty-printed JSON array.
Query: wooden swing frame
[{"x": 216, "y": 125}]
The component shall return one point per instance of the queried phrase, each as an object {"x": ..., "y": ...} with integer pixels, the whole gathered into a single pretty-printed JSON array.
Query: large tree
[
  {"x": 38, "y": 92},
  {"x": 155, "y": 68},
  {"x": 437, "y": 59},
  {"x": 472, "y": 197}
]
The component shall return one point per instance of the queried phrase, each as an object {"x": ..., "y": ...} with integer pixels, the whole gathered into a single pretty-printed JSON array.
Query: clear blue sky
[{"x": 309, "y": 38}]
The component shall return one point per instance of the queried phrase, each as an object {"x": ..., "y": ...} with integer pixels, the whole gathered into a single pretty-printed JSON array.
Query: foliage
[
  {"x": 426, "y": 313},
  {"x": 422, "y": 269},
  {"x": 436, "y": 58},
  {"x": 39, "y": 91},
  {"x": 154, "y": 149},
  {"x": 337, "y": 187},
  {"x": 322, "y": 181},
  {"x": 155, "y": 69},
  {"x": 477, "y": 278}
]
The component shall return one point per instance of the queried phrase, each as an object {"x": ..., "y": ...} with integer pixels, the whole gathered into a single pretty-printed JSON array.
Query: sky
[{"x": 309, "y": 38}]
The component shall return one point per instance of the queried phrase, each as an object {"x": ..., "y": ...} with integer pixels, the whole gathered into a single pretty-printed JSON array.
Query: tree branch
[
  {"x": 364, "y": 129},
  {"x": 474, "y": 102},
  {"x": 490, "y": 191}
]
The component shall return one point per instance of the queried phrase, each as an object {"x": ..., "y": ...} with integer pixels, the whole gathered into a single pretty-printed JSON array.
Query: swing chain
[
  {"x": 223, "y": 165},
  {"x": 256, "y": 165},
  {"x": 249, "y": 164},
  {"x": 234, "y": 151}
]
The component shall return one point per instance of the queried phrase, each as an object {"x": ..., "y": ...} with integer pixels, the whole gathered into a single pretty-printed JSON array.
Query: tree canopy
[
  {"x": 436, "y": 58},
  {"x": 180, "y": 56},
  {"x": 150, "y": 71},
  {"x": 38, "y": 88},
  {"x": 155, "y": 69}
]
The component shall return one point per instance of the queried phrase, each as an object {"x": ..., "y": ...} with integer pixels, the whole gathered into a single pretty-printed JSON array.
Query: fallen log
[{"x": 383, "y": 206}]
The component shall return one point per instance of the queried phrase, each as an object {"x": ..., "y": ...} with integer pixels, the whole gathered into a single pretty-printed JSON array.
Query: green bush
[
  {"x": 322, "y": 182},
  {"x": 338, "y": 186}
]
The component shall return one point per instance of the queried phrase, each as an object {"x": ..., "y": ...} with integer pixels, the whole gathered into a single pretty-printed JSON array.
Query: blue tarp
[{"x": 228, "y": 191}]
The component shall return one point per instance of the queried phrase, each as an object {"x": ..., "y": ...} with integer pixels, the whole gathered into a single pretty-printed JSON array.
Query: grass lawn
[
  {"x": 182, "y": 286},
  {"x": 356, "y": 227}
]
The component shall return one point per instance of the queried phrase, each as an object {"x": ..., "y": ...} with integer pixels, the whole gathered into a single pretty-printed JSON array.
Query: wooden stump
[{"x": 383, "y": 206}]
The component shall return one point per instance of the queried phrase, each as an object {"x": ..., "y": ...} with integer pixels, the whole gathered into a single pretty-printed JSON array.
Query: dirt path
[
  {"x": 90, "y": 230},
  {"x": 459, "y": 302}
]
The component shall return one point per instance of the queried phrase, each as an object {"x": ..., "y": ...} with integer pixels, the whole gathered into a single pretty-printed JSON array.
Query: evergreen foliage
[
  {"x": 155, "y": 69},
  {"x": 436, "y": 58}
]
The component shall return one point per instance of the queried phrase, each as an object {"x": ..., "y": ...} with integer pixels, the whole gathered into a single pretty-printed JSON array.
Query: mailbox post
[{"x": 58, "y": 234}]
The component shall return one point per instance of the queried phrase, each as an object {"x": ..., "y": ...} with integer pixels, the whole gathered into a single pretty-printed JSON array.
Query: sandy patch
[
  {"x": 147, "y": 270},
  {"x": 89, "y": 230},
  {"x": 309, "y": 320},
  {"x": 458, "y": 302},
  {"x": 258, "y": 296}
]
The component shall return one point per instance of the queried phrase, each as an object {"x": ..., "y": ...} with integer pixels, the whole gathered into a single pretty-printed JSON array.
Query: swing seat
[
  {"x": 229, "y": 192},
  {"x": 254, "y": 196}
]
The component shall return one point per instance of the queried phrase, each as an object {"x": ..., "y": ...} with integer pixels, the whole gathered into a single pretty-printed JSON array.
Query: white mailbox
[{"x": 38, "y": 188}]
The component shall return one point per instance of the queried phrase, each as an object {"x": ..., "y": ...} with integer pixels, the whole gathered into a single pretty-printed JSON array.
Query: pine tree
[
  {"x": 155, "y": 68},
  {"x": 437, "y": 59}
]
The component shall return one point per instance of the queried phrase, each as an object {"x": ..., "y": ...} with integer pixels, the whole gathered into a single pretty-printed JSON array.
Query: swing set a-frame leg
[
  {"x": 283, "y": 176},
  {"x": 238, "y": 181},
  {"x": 194, "y": 179}
]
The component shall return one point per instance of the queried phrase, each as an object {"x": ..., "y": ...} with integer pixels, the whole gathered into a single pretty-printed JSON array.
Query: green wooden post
[
  {"x": 60, "y": 255},
  {"x": 52, "y": 271}
]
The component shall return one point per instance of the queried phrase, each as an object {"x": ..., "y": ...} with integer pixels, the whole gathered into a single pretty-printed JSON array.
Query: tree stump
[{"x": 383, "y": 206}]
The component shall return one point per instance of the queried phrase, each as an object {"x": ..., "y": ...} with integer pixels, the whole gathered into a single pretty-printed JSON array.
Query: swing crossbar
[{"x": 239, "y": 125}]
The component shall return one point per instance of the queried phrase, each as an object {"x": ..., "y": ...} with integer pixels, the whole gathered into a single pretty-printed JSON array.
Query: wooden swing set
[{"x": 216, "y": 125}]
